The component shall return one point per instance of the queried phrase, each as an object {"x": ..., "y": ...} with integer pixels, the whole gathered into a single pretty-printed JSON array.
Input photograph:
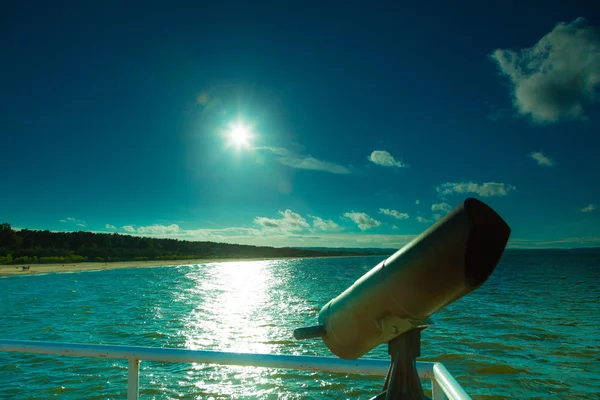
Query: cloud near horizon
[
  {"x": 393, "y": 213},
  {"x": 174, "y": 231},
  {"x": 570, "y": 242},
  {"x": 300, "y": 161},
  {"x": 542, "y": 159},
  {"x": 488, "y": 189},
  {"x": 71, "y": 220},
  {"x": 284, "y": 232},
  {"x": 385, "y": 159},
  {"x": 588, "y": 208},
  {"x": 306, "y": 238},
  {"x": 151, "y": 230},
  {"x": 109, "y": 226},
  {"x": 255, "y": 237},
  {"x": 159, "y": 229},
  {"x": 558, "y": 77},
  {"x": 362, "y": 220}
]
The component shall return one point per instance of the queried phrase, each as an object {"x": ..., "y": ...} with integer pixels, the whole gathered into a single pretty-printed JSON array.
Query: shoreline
[{"x": 34, "y": 269}]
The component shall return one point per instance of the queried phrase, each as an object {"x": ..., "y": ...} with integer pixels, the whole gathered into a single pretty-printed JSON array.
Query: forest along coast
[{"x": 34, "y": 251}]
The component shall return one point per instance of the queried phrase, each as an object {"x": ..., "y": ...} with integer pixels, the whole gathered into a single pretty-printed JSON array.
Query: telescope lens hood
[{"x": 487, "y": 240}]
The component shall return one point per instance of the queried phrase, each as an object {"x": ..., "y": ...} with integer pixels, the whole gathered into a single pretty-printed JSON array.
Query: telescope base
[{"x": 402, "y": 381}]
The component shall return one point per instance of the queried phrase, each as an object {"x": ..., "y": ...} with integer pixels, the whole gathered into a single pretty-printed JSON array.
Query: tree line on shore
[{"x": 35, "y": 246}]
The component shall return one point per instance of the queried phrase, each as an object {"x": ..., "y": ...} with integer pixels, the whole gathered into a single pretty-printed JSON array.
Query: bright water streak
[{"x": 530, "y": 332}]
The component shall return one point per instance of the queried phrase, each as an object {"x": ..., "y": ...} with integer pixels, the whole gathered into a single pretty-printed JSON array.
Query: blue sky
[{"x": 366, "y": 123}]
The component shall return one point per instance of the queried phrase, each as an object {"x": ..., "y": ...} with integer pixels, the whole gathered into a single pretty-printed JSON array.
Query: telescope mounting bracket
[{"x": 402, "y": 381}]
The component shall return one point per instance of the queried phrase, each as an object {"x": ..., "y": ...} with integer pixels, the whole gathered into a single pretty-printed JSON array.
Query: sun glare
[{"x": 239, "y": 135}]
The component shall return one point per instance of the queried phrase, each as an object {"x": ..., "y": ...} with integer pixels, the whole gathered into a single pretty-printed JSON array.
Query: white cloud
[
  {"x": 570, "y": 242},
  {"x": 289, "y": 222},
  {"x": 229, "y": 235},
  {"x": 109, "y": 226},
  {"x": 393, "y": 213},
  {"x": 487, "y": 189},
  {"x": 418, "y": 202},
  {"x": 279, "y": 238},
  {"x": 71, "y": 220},
  {"x": 276, "y": 238},
  {"x": 294, "y": 160},
  {"x": 441, "y": 207},
  {"x": 557, "y": 77},
  {"x": 436, "y": 216},
  {"x": 394, "y": 227},
  {"x": 362, "y": 220},
  {"x": 542, "y": 159},
  {"x": 385, "y": 159},
  {"x": 151, "y": 230},
  {"x": 588, "y": 208},
  {"x": 158, "y": 229},
  {"x": 256, "y": 237},
  {"x": 324, "y": 225}
]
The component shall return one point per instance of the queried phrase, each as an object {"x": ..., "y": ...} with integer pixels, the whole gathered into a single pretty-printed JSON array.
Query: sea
[{"x": 531, "y": 332}]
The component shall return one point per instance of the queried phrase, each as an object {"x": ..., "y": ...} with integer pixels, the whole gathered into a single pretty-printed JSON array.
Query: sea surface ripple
[{"x": 530, "y": 332}]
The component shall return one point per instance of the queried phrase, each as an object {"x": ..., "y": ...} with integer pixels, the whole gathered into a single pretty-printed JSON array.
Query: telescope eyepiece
[{"x": 310, "y": 332}]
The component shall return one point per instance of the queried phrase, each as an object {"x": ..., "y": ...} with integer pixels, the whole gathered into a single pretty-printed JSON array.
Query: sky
[{"x": 322, "y": 124}]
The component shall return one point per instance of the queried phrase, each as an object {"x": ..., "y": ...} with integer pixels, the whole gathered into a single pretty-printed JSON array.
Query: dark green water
[{"x": 530, "y": 332}]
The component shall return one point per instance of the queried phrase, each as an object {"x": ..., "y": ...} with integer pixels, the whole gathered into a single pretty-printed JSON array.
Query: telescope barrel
[{"x": 452, "y": 258}]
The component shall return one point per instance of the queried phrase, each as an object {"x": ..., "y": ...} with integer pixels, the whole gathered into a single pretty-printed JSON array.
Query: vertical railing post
[
  {"x": 133, "y": 379},
  {"x": 436, "y": 391}
]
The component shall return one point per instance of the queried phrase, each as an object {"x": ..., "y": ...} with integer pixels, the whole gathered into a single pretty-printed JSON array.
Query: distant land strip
[{"x": 45, "y": 247}]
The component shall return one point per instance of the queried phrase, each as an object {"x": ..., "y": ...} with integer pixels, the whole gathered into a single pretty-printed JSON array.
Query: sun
[{"x": 239, "y": 135}]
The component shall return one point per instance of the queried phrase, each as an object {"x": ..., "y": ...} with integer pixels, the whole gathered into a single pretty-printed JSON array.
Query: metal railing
[{"x": 444, "y": 386}]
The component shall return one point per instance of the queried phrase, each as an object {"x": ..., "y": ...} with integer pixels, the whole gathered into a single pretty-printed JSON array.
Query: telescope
[{"x": 393, "y": 302}]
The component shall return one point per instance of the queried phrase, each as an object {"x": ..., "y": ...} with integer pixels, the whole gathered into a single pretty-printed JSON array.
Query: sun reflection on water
[
  {"x": 245, "y": 307},
  {"x": 229, "y": 298}
]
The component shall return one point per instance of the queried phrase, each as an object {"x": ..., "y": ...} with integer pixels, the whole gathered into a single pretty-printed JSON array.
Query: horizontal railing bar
[
  {"x": 426, "y": 370},
  {"x": 308, "y": 363}
]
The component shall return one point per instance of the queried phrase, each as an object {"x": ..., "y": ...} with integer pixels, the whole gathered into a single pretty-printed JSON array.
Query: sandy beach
[{"x": 100, "y": 266}]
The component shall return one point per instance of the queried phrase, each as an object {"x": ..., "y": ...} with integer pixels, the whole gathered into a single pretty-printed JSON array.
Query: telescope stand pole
[{"x": 402, "y": 381}]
